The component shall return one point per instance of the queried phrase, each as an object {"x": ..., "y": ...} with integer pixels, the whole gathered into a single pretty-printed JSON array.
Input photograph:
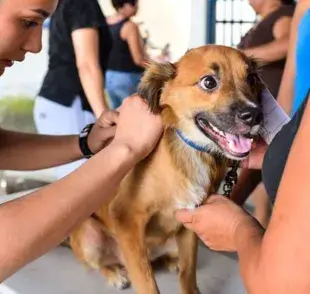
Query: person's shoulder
[{"x": 129, "y": 25}]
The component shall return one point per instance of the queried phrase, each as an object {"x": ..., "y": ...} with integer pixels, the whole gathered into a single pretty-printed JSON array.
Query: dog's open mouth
[{"x": 238, "y": 146}]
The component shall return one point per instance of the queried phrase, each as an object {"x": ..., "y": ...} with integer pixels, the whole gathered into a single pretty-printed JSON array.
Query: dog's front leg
[
  {"x": 131, "y": 239},
  {"x": 188, "y": 246}
]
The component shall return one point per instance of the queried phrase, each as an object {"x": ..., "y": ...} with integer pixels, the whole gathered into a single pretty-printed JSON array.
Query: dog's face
[{"x": 212, "y": 96}]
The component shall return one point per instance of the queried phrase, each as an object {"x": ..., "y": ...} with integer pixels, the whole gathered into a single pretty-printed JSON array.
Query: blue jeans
[{"x": 120, "y": 85}]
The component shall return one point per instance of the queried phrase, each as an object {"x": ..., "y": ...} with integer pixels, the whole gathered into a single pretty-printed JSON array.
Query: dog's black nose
[{"x": 250, "y": 116}]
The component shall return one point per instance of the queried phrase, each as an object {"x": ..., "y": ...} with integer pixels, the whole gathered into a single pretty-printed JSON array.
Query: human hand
[
  {"x": 217, "y": 222},
  {"x": 103, "y": 131},
  {"x": 256, "y": 156},
  {"x": 137, "y": 127}
]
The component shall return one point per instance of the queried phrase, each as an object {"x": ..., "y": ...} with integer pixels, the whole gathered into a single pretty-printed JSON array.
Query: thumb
[
  {"x": 108, "y": 118},
  {"x": 184, "y": 216}
]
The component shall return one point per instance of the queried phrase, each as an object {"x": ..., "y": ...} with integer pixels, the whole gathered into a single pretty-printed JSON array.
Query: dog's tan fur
[{"x": 138, "y": 224}]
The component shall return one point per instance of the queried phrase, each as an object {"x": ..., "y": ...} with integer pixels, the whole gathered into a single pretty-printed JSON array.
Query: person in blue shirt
[{"x": 296, "y": 82}]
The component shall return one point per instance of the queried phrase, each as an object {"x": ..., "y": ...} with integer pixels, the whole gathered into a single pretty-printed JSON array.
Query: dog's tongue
[{"x": 239, "y": 144}]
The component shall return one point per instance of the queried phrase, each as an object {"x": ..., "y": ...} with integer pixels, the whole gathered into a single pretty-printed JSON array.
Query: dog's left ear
[{"x": 152, "y": 82}]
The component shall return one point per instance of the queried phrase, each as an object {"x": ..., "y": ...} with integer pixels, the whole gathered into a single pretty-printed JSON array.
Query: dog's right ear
[{"x": 152, "y": 82}]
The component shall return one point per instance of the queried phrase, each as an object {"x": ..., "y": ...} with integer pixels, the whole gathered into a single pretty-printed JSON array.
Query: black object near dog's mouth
[{"x": 238, "y": 146}]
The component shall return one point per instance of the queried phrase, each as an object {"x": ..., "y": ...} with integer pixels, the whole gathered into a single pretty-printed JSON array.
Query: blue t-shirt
[{"x": 302, "y": 79}]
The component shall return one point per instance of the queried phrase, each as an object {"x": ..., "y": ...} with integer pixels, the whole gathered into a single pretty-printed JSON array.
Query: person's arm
[
  {"x": 86, "y": 48},
  {"x": 32, "y": 225},
  {"x": 278, "y": 260},
  {"x": 277, "y": 49},
  {"x": 286, "y": 91},
  {"x": 245, "y": 179},
  {"x": 130, "y": 33},
  {"x": 283, "y": 258},
  {"x": 21, "y": 151}
]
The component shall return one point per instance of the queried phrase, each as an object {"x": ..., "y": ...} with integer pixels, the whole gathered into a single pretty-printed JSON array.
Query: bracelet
[{"x": 87, "y": 153}]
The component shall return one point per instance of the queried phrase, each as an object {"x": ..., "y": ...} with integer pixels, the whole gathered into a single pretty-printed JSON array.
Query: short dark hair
[{"x": 117, "y": 4}]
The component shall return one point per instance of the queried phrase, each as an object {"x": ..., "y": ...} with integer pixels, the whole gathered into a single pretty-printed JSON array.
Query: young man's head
[{"x": 127, "y": 8}]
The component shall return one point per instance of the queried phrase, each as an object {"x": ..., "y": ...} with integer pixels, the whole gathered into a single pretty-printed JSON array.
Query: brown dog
[{"x": 209, "y": 103}]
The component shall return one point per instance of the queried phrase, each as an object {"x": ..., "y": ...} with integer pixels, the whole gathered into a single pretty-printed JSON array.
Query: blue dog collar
[{"x": 191, "y": 143}]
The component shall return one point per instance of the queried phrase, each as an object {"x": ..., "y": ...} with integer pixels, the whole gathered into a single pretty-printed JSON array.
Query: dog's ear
[{"x": 152, "y": 82}]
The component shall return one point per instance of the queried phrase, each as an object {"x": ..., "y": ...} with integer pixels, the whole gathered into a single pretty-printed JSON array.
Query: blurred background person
[
  {"x": 295, "y": 82},
  {"x": 128, "y": 57},
  {"x": 267, "y": 41},
  {"x": 269, "y": 38},
  {"x": 72, "y": 93}
]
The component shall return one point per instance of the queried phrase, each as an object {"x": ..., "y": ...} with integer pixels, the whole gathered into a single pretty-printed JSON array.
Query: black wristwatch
[{"x": 87, "y": 153}]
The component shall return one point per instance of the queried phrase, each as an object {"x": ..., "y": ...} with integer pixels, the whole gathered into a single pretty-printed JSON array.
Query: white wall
[{"x": 178, "y": 22}]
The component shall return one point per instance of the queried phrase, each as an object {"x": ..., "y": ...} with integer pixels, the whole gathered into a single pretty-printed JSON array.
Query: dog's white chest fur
[{"x": 192, "y": 193}]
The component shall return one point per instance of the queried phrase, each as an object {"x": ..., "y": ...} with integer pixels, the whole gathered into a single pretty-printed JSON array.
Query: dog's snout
[{"x": 250, "y": 116}]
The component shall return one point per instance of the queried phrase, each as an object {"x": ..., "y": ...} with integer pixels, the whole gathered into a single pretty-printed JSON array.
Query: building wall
[{"x": 181, "y": 23}]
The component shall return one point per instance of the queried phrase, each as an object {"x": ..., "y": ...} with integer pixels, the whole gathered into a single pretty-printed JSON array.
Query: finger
[
  {"x": 109, "y": 132},
  {"x": 189, "y": 226},
  {"x": 184, "y": 216},
  {"x": 108, "y": 118},
  {"x": 245, "y": 163},
  {"x": 138, "y": 99}
]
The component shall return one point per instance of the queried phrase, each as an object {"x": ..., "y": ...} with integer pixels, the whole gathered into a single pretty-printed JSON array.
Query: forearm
[
  {"x": 249, "y": 238},
  {"x": 247, "y": 182},
  {"x": 286, "y": 91},
  {"x": 270, "y": 52},
  {"x": 21, "y": 151},
  {"x": 32, "y": 225},
  {"x": 92, "y": 81}
]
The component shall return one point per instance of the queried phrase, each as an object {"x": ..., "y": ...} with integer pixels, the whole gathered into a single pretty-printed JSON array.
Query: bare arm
[
  {"x": 286, "y": 91},
  {"x": 131, "y": 34},
  {"x": 277, "y": 49},
  {"x": 86, "y": 47},
  {"x": 280, "y": 262},
  {"x": 32, "y": 225},
  {"x": 21, "y": 151}
]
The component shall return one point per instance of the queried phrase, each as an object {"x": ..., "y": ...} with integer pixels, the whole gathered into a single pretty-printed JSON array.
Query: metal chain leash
[{"x": 231, "y": 179}]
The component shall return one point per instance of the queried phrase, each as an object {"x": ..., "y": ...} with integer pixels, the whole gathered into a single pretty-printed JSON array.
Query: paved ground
[{"x": 58, "y": 272}]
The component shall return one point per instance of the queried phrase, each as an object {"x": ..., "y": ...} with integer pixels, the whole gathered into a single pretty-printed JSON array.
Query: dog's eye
[{"x": 208, "y": 83}]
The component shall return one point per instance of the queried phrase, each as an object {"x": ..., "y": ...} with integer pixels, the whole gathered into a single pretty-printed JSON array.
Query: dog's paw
[
  {"x": 170, "y": 263},
  {"x": 117, "y": 276},
  {"x": 172, "y": 266},
  {"x": 120, "y": 282}
]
